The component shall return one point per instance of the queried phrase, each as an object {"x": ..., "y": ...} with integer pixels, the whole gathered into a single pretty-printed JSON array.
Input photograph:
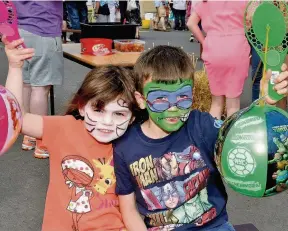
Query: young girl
[
  {"x": 225, "y": 50},
  {"x": 82, "y": 182}
]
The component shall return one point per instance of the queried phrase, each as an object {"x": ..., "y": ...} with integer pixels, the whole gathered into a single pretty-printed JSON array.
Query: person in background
[
  {"x": 77, "y": 13},
  {"x": 102, "y": 11},
  {"x": 123, "y": 10},
  {"x": 40, "y": 24},
  {"x": 133, "y": 15},
  {"x": 257, "y": 69},
  {"x": 179, "y": 10},
  {"x": 112, "y": 5},
  {"x": 226, "y": 58},
  {"x": 160, "y": 14}
]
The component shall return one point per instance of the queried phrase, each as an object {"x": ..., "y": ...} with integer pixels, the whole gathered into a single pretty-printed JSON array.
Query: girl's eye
[
  {"x": 98, "y": 110},
  {"x": 119, "y": 114}
]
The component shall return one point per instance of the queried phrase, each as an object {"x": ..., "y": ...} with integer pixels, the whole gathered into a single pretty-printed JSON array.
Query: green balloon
[{"x": 252, "y": 151}]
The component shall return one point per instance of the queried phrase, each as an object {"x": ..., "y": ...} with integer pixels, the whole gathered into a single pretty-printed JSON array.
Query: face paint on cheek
[
  {"x": 170, "y": 121},
  {"x": 89, "y": 123},
  {"x": 160, "y": 97},
  {"x": 121, "y": 128},
  {"x": 110, "y": 123}
]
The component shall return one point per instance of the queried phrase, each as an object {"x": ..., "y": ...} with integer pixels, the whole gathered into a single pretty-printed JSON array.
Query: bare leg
[
  {"x": 26, "y": 97},
  {"x": 162, "y": 20},
  {"x": 28, "y": 142},
  {"x": 39, "y": 100},
  {"x": 232, "y": 105},
  {"x": 217, "y": 106},
  {"x": 137, "y": 36},
  {"x": 282, "y": 104}
]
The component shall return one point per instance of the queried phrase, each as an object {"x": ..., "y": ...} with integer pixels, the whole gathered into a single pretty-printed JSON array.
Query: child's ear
[
  {"x": 132, "y": 120},
  {"x": 140, "y": 100},
  {"x": 81, "y": 111}
]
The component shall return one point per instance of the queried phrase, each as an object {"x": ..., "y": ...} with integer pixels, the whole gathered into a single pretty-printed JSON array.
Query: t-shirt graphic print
[
  {"x": 190, "y": 193},
  {"x": 79, "y": 174}
]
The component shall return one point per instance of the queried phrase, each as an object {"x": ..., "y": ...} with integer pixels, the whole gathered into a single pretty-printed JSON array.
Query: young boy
[{"x": 165, "y": 167}]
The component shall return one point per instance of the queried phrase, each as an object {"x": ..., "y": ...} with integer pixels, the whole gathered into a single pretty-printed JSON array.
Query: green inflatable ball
[{"x": 251, "y": 152}]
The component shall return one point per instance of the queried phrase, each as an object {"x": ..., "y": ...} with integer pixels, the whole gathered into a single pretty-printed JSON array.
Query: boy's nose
[{"x": 173, "y": 108}]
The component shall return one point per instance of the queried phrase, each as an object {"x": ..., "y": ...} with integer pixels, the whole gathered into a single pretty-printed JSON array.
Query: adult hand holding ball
[{"x": 10, "y": 119}]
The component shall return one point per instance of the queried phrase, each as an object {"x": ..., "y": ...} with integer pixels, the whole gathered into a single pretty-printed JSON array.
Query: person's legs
[
  {"x": 39, "y": 73},
  {"x": 217, "y": 106},
  {"x": 177, "y": 22},
  {"x": 256, "y": 73},
  {"x": 123, "y": 9},
  {"x": 74, "y": 19},
  {"x": 162, "y": 21},
  {"x": 232, "y": 105},
  {"x": 83, "y": 13},
  {"x": 39, "y": 100},
  {"x": 112, "y": 16},
  {"x": 28, "y": 143},
  {"x": 182, "y": 19},
  {"x": 73, "y": 15},
  {"x": 103, "y": 18}
]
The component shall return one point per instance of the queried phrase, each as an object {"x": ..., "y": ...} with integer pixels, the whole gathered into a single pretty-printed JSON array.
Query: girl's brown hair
[{"x": 103, "y": 85}]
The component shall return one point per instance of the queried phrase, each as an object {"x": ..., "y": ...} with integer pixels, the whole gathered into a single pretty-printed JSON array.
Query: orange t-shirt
[{"x": 81, "y": 192}]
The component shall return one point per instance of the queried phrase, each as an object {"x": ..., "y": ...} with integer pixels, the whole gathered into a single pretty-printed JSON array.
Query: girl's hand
[
  {"x": 281, "y": 84},
  {"x": 15, "y": 55}
]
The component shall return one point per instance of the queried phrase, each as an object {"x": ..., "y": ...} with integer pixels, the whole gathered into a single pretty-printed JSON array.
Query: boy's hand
[
  {"x": 15, "y": 55},
  {"x": 281, "y": 84}
]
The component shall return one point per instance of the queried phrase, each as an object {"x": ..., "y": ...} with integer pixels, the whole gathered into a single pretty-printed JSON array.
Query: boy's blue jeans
[
  {"x": 254, "y": 63},
  {"x": 225, "y": 227}
]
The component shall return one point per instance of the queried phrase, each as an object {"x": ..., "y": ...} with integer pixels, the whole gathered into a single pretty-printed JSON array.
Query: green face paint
[{"x": 169, "y": 105}]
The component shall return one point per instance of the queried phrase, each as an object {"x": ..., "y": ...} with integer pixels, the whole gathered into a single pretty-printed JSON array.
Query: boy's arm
[
  {"x": 130, "y": 214},
  {"x": 32, "y": 125},
  {"x": 192, "y": 24},
  {"x": 125, "y": 188}
]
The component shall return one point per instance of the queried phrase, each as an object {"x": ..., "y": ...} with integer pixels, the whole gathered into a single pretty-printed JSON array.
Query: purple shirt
[{"x": 43, "y": 18}]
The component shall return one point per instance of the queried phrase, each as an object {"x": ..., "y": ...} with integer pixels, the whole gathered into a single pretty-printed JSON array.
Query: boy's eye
[
  {"x": 182, "y": 97},
  {"x": 161, "y": 99}
]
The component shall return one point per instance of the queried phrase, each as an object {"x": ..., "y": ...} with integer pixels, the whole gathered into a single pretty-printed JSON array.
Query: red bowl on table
[{"x": 96, "y": 46}]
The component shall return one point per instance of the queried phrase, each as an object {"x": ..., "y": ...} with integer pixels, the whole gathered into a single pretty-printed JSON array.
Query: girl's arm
[
  {"x": 194, "y": 28},
  {"x": 32, "y": 124},
  {"x": 130, "y": 214}
]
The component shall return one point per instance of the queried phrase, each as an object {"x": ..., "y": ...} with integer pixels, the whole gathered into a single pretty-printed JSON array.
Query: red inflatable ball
[{"x": 10, "y": 119}]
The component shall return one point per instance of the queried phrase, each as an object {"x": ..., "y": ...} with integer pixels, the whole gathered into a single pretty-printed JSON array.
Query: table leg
[{"x": 52, "y": 106}]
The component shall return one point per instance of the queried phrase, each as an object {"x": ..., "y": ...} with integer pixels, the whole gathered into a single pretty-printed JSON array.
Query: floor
[{"x": 24, "y": 180}]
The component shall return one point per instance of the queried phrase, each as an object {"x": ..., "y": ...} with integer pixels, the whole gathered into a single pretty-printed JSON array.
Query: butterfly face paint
[
  {"x": 109, "y": 123},
  {"x": 169, "y": 105}
]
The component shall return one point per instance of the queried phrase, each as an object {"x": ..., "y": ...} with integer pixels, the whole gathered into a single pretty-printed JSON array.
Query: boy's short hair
[{"x": 163, "y": 64}]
